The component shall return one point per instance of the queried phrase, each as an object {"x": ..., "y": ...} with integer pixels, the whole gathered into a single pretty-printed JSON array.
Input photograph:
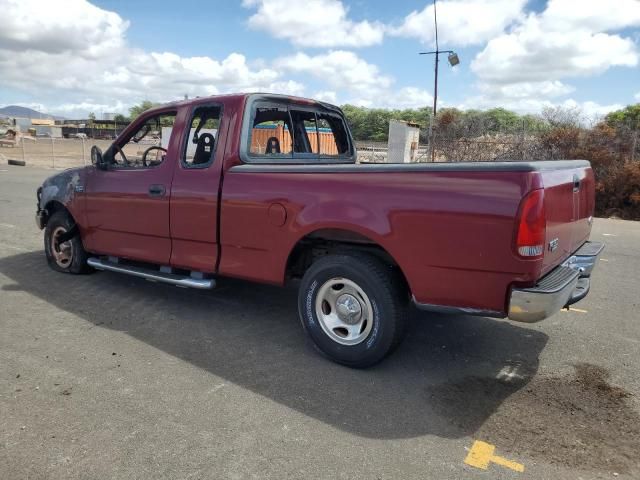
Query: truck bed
[{"x": 449, "y": 226}]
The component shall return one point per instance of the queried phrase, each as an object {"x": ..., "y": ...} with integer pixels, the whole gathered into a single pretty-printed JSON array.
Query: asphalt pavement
[{"x": 107, "y": 376}]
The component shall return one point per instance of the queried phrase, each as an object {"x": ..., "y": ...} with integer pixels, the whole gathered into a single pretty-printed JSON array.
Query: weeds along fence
[
  {"x": 621, "y": 145},
  {"x": 482, "y": 149},
  {"x": 614, "y": 154},
  {"x": 604, "y": 146}
]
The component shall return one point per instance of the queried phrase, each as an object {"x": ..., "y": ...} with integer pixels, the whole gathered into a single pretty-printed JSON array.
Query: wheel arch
[
  {"x": 52, "y": 207},
  {"x": 330, "y": 240}
]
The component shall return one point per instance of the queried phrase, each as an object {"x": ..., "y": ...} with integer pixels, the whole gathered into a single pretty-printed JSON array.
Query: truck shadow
[{"x": 446, "y": 379}]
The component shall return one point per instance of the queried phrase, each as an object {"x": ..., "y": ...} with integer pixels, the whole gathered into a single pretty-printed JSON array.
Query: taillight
[{"x": 532, "y": 225}]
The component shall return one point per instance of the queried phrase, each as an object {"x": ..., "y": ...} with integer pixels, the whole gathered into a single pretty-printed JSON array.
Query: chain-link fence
[
  {"x": 450, "y": 145},
  {"x": 51, "y": 152}
]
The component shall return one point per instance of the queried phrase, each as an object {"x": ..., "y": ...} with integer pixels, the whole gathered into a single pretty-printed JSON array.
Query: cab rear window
[{"x": 289, "y": 133}]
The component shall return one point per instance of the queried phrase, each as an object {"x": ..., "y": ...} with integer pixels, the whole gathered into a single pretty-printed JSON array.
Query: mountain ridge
[{"x": 25, "y": 112}]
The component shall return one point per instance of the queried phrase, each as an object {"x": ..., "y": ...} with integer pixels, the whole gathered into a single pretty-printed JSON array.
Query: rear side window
[
  {"x": 271, "y": 133},
  {"x": 334, "y": 140},
  {"x": 200, "y": 146},
  {"x": 281, "y": 133}
]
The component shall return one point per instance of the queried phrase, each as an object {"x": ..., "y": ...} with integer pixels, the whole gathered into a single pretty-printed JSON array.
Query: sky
[{"x": 72, "y": 57}]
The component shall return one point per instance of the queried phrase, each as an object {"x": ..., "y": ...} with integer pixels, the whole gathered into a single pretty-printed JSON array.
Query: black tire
[
  {"x": 383, "y": 288},
  {"x": 76, "y": 262}
]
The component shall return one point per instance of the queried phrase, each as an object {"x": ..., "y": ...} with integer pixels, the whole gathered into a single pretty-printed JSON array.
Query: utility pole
[
  {"x": 453, "y": 61},
  {"x": 435, "y": 77}
]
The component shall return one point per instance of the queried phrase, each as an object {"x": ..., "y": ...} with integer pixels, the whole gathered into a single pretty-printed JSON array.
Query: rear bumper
[{"x": 563, "y": 286}]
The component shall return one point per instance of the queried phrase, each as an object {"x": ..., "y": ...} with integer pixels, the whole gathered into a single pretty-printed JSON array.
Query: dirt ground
[{"x": 108, "y": 376}]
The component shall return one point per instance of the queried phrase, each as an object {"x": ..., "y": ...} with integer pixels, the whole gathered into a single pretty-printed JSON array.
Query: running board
[{"x": 152, "y": 275}]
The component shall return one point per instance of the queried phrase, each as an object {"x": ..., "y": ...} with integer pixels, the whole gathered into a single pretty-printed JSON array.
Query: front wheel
[
  {"x": 66, "y": 256},
  {"x": 353, "y": 307}
]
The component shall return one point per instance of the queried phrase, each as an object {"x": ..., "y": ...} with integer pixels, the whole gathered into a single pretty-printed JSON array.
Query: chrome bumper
[{"x": 563, "y": 286}]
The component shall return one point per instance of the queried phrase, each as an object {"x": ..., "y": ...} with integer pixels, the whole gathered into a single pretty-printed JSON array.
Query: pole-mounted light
[{"x": 453, "y": 61}]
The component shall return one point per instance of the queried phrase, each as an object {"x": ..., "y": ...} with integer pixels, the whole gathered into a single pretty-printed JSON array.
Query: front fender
[{"x": 59, "y": 189}]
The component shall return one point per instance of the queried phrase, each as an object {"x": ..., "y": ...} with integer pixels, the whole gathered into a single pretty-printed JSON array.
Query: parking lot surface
[{"x": 108, "y": 376}]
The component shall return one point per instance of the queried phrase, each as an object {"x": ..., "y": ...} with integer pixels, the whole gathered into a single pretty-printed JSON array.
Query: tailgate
[{"x": 569, "y": 202}]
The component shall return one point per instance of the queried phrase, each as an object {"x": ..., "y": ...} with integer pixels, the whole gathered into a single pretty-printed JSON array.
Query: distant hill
[{"x": 24, "y": 112}]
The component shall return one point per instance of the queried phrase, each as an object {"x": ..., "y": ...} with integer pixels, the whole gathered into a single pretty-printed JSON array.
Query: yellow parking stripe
[{"x": 482, "y": 455}]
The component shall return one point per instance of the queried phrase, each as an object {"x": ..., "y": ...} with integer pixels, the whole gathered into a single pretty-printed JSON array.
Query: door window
[
  {"x": 200, "y": 145},
  {"x": 147, "y": 146}
]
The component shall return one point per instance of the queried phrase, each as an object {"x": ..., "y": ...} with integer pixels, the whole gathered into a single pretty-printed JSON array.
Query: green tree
[
  {"x": 628, "y": 117},
  {"x": 119, "y": 118},
  {"x": 136, "y": 110},
  {"x": 92, "y": 117},
  {"x": 501, "y": 119}
]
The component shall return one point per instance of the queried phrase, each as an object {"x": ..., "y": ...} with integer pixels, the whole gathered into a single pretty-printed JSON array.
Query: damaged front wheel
[{"x": 63, "y": 245}]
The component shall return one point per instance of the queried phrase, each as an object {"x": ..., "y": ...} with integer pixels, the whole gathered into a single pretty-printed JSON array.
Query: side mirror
[{"x": 96, "y": 158}]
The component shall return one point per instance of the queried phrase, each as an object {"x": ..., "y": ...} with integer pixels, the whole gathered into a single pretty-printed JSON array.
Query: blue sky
[{"x": 71, "y": 57}]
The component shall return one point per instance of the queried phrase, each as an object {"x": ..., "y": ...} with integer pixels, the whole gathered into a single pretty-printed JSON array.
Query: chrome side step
[{"x": 152, "y": 275}]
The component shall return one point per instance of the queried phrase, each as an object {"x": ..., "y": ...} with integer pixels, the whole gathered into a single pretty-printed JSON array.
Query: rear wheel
[
  {"x": 353, "y": 307},
  {"x": 64, "y": 255}
]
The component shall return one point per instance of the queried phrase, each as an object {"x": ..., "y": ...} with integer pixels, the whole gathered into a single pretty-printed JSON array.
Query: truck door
[
  {"x": 127, "y": 204},
  {"x": 195, "y": 188}
]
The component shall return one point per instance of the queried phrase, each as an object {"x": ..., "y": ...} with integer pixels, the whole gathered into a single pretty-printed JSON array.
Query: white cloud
[
  {"x": 405, "y": 97},
  {"x": 74, "y": 57},
  {"x": 77, "y": 51},
  {"x": 328, "y": 96},
  {"x": 637, "y": 96},
  {"x": 73, "y": 81},
  {"x": 360, "y": 83},
  {"x": 338, "y": 68},
  {"x": 589, "y": 110},
  {"x": 542, "y": 89},
  {"x": 567, "y": 39},
  {"x": 534, "y": 53},
  {"x": 313, "y": 23},
  {"x": 56, "y": 27},
  {"x": 461, "y": 22},
  {"x": 594, "y": 15},
  {"x": 524, "y": 68},
  {"x": 592, "y": 110}
]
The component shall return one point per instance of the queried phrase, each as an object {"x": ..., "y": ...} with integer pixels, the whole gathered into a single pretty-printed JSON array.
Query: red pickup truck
[{"x": 267, "y": 188}]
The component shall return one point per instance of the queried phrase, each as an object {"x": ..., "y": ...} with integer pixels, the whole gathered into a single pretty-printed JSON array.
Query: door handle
[{"x": 157, "y": 190}]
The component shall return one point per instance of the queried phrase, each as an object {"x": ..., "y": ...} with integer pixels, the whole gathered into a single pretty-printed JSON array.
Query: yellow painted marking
[
  {"x": 482, "y": 455},
  {"x": 579, "y": 310}
]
